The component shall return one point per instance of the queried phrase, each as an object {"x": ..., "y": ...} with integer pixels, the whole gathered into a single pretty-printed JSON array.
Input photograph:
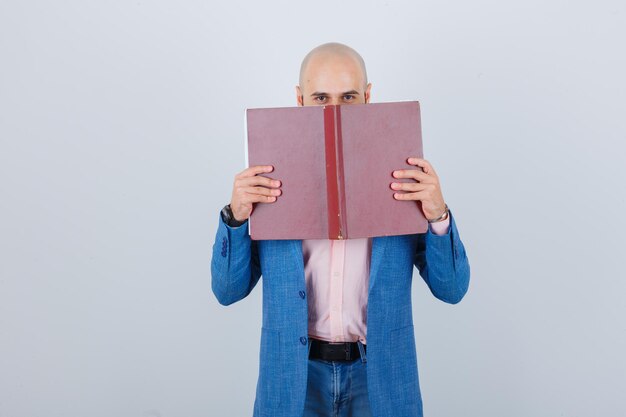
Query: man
[{"x": 337, "y": 337}]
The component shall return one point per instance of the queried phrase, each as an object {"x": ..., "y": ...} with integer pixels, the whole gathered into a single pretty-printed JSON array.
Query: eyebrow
[{"x": 354, "y": 92}]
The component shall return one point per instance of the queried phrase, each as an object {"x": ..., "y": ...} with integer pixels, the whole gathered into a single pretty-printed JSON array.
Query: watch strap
[
  {"x": 443, "y": 216},
  {"x": 229, "y": 218}
]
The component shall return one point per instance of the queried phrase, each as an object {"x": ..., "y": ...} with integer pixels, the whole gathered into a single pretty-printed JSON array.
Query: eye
[
  {"x": 320, "y": 98},
  {"x": 348, "y": 97}
]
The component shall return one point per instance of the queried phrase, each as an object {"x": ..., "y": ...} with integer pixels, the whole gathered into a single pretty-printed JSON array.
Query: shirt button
[
  {"x": 303, "y": 340},
  {"x": 301, "y": 294}
]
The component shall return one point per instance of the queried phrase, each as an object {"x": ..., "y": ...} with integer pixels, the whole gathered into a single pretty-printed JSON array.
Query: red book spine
[
  {"x": 337, "y": 225},
  {"x": 341, "y": 189}
]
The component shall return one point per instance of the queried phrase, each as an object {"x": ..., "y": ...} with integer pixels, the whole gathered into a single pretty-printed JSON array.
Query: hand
[
  {"x": 426, "y": 189},
  {"x": 250, "y": 188}
]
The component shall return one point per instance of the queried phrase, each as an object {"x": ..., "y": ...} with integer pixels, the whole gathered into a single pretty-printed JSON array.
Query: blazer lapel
[
  {"x": 295, "y": 248},
  {"x": 379, "y": 247}
]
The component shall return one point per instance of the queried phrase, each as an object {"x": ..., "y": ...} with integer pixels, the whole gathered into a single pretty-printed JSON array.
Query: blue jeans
[{"x": 337, "y": 388}]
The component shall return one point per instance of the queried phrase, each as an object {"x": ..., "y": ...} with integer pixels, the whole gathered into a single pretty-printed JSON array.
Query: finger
[
  {"x": 410, "y": 186},
  {"x": 257, "y": 198},
  {"x": 262, "y": 191},
  {"x": 254, "y": 170},
  {"x": 415, "y": 174},
  {"x": 258, "y": 180},
  {"x": 422, "y": 163},
  {"x": 420, "y": 195}
]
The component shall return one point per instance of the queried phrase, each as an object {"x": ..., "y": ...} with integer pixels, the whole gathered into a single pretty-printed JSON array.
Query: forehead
[{"x": 333, "y": 74}]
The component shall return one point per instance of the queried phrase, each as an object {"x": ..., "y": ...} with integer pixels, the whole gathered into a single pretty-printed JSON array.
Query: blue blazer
[{"x": 392, "y": 377}]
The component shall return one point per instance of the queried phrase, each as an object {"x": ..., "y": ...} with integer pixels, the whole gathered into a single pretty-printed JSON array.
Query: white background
[{"x": 121, "y": 128}]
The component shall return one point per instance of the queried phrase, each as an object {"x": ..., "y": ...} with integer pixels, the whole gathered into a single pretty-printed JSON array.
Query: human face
[{"x": 332, "y": 80}]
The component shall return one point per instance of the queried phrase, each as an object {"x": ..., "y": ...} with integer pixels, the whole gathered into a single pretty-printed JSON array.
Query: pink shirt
[{"x": 337, "y": 281}]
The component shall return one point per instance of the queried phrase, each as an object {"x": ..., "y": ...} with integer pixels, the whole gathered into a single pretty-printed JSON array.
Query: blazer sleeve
[
  {"x": 235, "y": 266},
  {"x": 443, "y": 264}
]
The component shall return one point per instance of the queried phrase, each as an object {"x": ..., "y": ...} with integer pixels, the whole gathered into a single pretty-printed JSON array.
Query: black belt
[{"x": 333, "y": 351}]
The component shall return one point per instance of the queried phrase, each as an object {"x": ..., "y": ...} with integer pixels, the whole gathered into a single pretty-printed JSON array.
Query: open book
[{"x": 335, "y": 164}]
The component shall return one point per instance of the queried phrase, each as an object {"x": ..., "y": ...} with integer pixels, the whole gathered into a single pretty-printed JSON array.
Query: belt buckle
[{"x": 345, "y": 346}]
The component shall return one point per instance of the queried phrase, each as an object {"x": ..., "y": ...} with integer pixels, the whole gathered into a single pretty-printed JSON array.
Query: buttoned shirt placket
[{"x": 338, "y": 250}]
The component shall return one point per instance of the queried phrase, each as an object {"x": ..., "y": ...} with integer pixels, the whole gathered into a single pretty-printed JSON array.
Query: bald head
[
  {"x": 328, "y": 72},
  {"x": 331, "y": 51}
]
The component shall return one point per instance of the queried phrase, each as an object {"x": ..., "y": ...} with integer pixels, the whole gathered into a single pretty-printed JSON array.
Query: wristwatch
[{"x": 229, "y": 218}]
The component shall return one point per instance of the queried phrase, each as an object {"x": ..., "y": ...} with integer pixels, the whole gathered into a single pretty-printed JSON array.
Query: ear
[
  {"x": 368, "y": 93},
  {"x": 299, "y": 97}
]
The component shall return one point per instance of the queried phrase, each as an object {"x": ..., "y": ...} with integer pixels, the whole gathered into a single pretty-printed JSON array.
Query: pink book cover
[{"x": 335, "y": 163}]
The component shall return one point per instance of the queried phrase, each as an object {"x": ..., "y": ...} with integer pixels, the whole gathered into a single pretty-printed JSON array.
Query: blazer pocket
[
  {"x": 270, "y": 369},
  {"x": 404, "y": 378}
]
